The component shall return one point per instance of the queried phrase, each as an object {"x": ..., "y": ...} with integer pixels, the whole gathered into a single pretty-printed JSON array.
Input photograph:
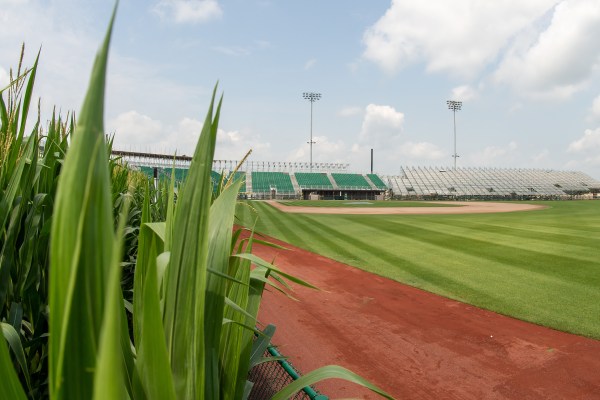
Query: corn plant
[{"x": 196, "y": 286}]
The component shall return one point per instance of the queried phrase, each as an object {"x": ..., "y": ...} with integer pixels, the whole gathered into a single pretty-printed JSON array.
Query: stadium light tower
[
  {"x": 454, "y": 106},
  {"x": 312, "y": 97}
]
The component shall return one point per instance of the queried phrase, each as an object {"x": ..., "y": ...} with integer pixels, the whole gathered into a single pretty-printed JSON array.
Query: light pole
[
  {"x": 312, "y": 97},
  {"x": 454, "y": 106}
]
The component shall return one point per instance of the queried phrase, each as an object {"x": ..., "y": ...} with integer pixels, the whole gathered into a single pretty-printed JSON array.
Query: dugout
[{"x": 311, "y": 194}]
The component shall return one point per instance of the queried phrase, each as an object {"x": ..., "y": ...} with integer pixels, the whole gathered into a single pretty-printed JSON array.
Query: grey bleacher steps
[
  {"x": 333, "y": 182},
  {"x": 370, "y": 182}
]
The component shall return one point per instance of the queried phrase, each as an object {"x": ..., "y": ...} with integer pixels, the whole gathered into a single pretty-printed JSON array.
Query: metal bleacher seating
[{"x": 490, "y": 182}]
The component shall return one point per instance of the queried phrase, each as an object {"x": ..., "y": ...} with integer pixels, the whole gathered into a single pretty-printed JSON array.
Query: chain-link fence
[{"x": 272, "y": 376}]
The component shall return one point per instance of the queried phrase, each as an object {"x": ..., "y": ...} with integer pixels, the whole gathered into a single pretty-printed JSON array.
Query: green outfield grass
[
  {"x": 363, "y": 203},
  {"x": 541, "y": 266}
]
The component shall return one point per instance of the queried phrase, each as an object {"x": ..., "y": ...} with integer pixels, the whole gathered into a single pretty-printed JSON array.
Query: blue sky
[{"x": 528, "y": 75}]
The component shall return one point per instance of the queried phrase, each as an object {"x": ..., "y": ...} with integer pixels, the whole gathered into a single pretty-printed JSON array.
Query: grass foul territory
[{"x": 540, "y": 266}]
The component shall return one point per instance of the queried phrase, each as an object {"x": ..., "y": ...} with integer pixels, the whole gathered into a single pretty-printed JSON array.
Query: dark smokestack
[{"x": 371, "y": 160}]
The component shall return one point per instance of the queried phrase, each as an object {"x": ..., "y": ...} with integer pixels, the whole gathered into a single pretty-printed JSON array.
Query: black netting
[{"x": 269, "y": 378}]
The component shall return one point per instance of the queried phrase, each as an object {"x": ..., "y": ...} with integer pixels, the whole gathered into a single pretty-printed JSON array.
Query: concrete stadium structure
[
  {"x": 297, "y": 180},
  {"x": 497, "y": 183}
]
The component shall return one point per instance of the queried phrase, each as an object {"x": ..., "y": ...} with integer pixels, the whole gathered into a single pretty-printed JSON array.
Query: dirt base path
[
  {"x": 417, "y": 345},
  {"x": 467, "y": 207}
]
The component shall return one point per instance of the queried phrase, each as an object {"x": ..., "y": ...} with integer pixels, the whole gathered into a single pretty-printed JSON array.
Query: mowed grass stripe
[
  {"x": 419, "y": 274},
  {"x": 581, "y": 240},
  {"x": 326, "y": 243},
  {"x": 286, "y": 230},
  {"x": 520, "y": 241},
  {"x": 563, "y": 267}
]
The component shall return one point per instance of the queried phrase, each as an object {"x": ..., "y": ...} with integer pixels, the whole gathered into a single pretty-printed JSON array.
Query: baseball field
[{"x": 541, "y": 266}]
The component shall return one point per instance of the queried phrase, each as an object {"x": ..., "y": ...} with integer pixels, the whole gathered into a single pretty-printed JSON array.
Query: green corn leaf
[
  {"x": 185, "y": 280},
  {"x": 222, "y": 214},
  {"x": 10, "y": 387},
  {"x": 225, "y": 276},
  {"x": 328, "y": 372},
  {"x": 109, "y": 382},
  {"x": 143, "y": 258},
  {"x": 247, "y": 389},
  {"x": 14, "y": 341},
  {"x": 170, "y": 220},
  {"x": 81, "y": 250},
  {"x": 260, "y": 345},
  {"x": 27, "y": 97},
  {"x": 236, "y": 343},
  {"x": 260, "y": 262},
  {"x": 152, "y": 358},
  {"x": 237, "y": 308},
  {"x": 270, "y": 244}
]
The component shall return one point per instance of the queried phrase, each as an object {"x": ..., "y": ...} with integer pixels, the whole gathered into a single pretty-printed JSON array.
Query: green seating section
[
  {"x": 377, "y": 181},
  {"x": 181, "y": 174},
  {"x": 262, "y": 182},
  {"x": 351, "y": 181},
  {"x": 313, "y": 180}
]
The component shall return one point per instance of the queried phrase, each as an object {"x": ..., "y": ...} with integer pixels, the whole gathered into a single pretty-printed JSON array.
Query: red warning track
[{"x": 417, "y": 345}]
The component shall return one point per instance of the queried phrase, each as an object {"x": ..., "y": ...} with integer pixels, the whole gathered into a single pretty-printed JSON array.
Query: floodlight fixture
[
  {"x": 312, "y": 97},
  {"x": 454, "y": 106}
]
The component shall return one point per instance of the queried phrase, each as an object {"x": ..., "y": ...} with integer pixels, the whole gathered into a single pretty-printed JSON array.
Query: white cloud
[
  {"x": 380, "y": 124},
  {"x": 350, "y": 111},
  {"x": 324, "y": 150},
  {"x": 233, "y": 145},
  {"x": 4, "y": 78},
  {"x": 460, "y": 37},
  {"x": 590, "y": 141},
  {"x": 133, "y": 84},
  {"x": 132, "y": 129},
  {"x": 67, "y": 52},
  {"x": 310, "y": 63},
  {"x": 421, "y": 151},
  {"x": 188, "y": 11},
  {"x": 541, "y": 157},
  {"x": 596, "y": 108},
  {"x": 494, "y": 155},
  {"x": 464, "y": 93},
  {"x": 139, "y": 132},
  {"x": 561, "y": 59}
]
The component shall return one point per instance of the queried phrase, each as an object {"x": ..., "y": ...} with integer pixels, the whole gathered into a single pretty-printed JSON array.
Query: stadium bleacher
[
  {"x": 377, "y": 181},
  {"x": 264, "y": 182},
  {"x": 350, "y": 181},
  {"x": 412, "y": 182},
  {"x": 490, "y": 182},
  {"x": 313, "y": 180}
]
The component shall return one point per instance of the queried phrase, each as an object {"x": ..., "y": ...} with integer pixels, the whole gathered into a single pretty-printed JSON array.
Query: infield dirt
[
  {"x": 417, "y": 345},
  {"x": 467, "y": 207}
]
